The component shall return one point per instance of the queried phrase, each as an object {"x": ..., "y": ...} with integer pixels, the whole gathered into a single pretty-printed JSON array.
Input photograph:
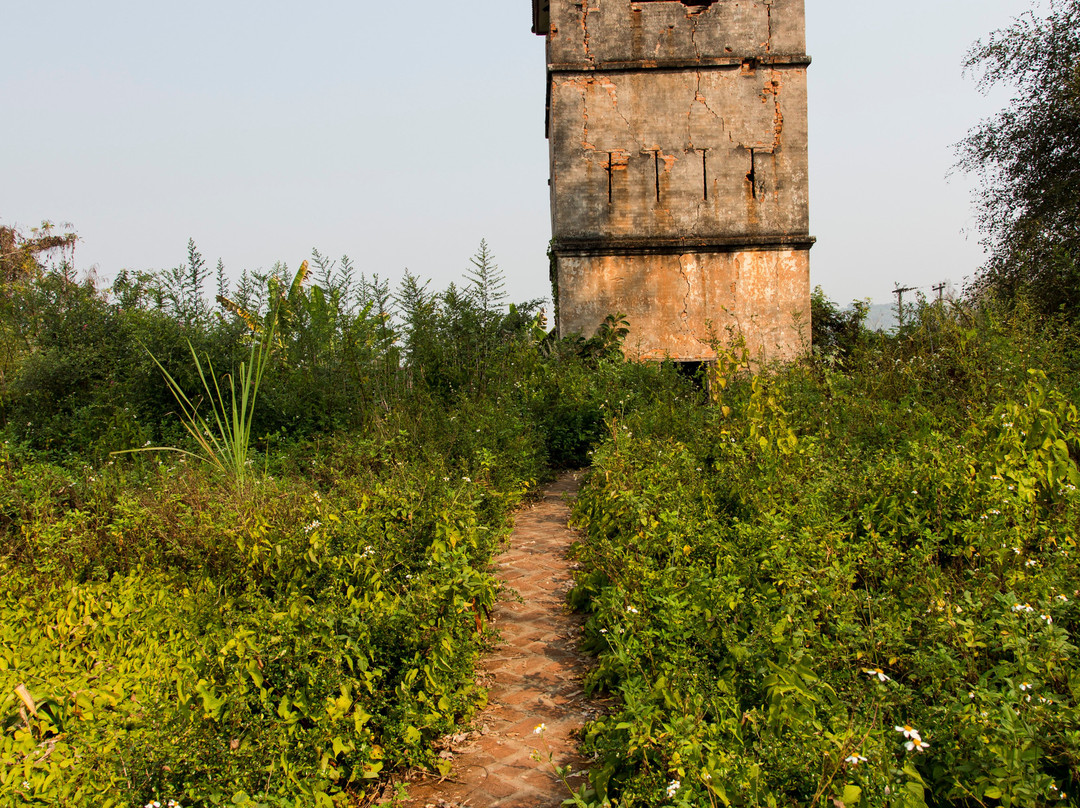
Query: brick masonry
[{"x": 533, "y": 677}]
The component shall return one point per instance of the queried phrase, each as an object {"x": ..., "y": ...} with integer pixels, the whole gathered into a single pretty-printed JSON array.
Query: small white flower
[
  {"x": 916, "y": 745},
  {"x": 632, "y": 610},
  {"x": 909, "y": 732},
  {"x": 673, "y": 788},
  {"x": 878, "y": 673},
  {"x": 971, "y": 694},
  {"x": 1047, "y": 618},
  {"x": 540, "y": 729},
  {"x": 1024, "y": 686},
  {"x": 855, "y": 760},
  {"x": 1063, "y": 599},
  {"x": 1031, "y": 562},
  {"x": 314, "y": 525},
  {"x": 466, "y": 479}
]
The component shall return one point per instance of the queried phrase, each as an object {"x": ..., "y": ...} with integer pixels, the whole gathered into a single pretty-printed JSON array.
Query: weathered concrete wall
[
  {"x": 682, "y": 153},
  {"x": 679, "y": 171},
  {"x": 678, "y": 304},
  {"x": 599, "y": 32}
]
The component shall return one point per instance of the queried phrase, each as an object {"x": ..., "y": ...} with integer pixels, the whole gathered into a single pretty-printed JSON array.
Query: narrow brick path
[{"x": 533, "y": 677}]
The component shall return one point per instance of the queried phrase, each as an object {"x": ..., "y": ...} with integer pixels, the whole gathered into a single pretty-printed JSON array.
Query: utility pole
[
  {"x": 940, "y": 289},
  {"x": 899, "y": 292}
]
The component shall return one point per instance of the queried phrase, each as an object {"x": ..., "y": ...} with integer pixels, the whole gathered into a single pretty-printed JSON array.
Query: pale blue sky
[{"x": 403, "y": 132}]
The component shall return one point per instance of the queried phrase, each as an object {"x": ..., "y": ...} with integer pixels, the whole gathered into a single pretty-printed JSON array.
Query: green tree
[
  {"x": 1027, "y": 158},
  {"x": 836, "y": 331},
  {"x": 486, "y": 282},
  {"x": 21, "y": 256}
]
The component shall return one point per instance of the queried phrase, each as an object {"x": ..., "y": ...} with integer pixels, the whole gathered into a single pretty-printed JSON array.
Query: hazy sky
[{"x": 401, "y": 133}]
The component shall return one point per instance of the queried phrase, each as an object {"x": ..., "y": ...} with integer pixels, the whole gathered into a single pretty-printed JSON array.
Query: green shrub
[
  {"x": 777, "y": 582},
  {"x": 191, "y": 643}
]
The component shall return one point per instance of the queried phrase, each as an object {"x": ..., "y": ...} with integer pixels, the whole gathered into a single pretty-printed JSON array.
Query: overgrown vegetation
[
  {"x": 296, "y": 639},
  {"x": 845, "y": 581},
  {"x": 853, "y": 580},
  {"x": 781, "y": 568}
]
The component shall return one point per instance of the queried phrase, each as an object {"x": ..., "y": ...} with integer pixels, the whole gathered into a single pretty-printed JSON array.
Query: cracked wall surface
[
  {"x": 704, "y": 125},
  {"x": 679, "y": 185},
  {"x": 612, "y": 31},
  {"x": 678, "y": 304}
]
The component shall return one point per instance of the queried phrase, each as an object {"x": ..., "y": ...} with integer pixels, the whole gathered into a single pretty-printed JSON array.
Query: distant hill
[{"x": 882, "y": 317}]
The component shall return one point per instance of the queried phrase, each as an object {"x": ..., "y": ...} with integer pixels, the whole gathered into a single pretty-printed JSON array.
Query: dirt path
[{"x": 533, "y": 677}]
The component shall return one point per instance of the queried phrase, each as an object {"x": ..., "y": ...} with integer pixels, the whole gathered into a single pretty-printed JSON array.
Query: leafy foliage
[
  {"x": 183, "y": 643},
  {"x": 784, "y": 583},
  {"x": 1027, "y": 158},
  {"x": 166, "y": 634},
  {"x": 836, "y": 331}
]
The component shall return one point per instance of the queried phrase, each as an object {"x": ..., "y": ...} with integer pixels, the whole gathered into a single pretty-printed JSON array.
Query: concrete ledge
[
  {"x": 720, "y": 62},
  {"x": 585, "y": 247}
]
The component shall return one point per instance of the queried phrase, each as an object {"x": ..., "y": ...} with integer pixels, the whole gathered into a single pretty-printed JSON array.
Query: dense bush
[
  {"x": 847, "y": 587},
  {"x": 846, "y": 581},
  {"x": 290, "y": 636},
  {"x": 176, "y": 641}
]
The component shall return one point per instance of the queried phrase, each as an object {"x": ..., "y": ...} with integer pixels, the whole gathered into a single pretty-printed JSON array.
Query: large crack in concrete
[
  {"x": 689, "y": 288},
  {"x": 583, "y": 87},
  {"x": 768, "y": 15},
  {"x": 613, "y": 91},
  {"x": 700, "y": 97},
  {"x": 774, "y": 87},
  {"x": 585, "y": 29},
  {"x": 692, "y": 14}
]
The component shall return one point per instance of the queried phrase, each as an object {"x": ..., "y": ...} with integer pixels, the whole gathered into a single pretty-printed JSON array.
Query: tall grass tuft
[{"x": 225, "y": 440}]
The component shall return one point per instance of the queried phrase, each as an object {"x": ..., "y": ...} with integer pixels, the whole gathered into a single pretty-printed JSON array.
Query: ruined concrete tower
[{"x": 679, "y": 192}]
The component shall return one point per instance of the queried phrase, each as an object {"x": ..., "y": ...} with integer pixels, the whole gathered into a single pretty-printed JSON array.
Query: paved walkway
[{"x": 533, "y": 677}]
